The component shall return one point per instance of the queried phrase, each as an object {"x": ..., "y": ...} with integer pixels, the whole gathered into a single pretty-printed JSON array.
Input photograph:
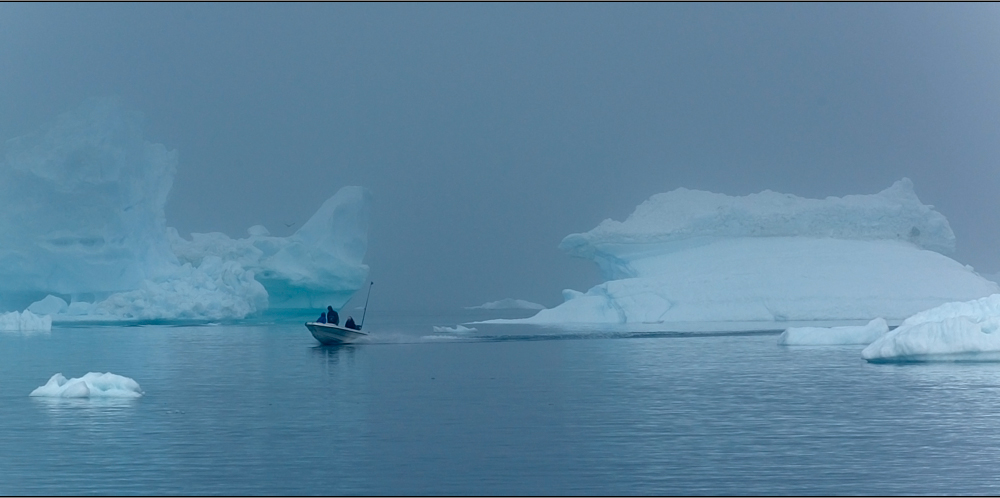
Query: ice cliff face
[
  {"x": 317, "y": 265},
  {"x": 686, "y": 218},
  {"x": 82, "y": 222},
  {"x": 691, "y": 256},
  {"x": 81, "y": 207}
]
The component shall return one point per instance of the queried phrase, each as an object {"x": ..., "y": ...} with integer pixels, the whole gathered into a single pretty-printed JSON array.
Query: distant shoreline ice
[{"x": 506, "y": 304}]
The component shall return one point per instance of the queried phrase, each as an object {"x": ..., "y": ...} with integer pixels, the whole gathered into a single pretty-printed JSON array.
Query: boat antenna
[{"x": 370, "y": 284}]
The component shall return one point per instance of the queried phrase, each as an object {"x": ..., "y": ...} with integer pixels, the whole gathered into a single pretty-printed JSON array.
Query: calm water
[{"x": 262, "y": 409}]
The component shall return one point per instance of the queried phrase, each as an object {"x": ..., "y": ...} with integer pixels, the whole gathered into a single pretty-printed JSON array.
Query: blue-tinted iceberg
[
  {"x": 767, "y": 259},
  {"x": 81, "y": 207},
  {"x": 25, "y": 321},
  {"x": 318, "y": 265},
  {"x": 834, "y": 336},
  {"x": 958, "y": 331},
  {"x": 83, "y": 234},
  {"x": 92, "y": 385}
]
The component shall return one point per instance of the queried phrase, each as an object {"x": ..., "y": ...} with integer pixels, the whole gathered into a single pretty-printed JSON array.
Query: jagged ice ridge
[{"x": 83, "y": 234}]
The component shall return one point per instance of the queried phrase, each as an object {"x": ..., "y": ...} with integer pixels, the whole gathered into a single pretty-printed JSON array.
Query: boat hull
[{"x": 329, "y": 334}]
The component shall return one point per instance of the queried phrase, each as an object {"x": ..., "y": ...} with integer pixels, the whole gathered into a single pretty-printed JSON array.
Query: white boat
[{"x": 330, "y": 334}]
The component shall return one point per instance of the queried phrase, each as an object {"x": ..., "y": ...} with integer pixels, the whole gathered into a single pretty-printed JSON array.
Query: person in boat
[
  {"x": 322, "y": 318},
  {"x": 350, "y": 323},
  {"x": 332, "y": 316}
]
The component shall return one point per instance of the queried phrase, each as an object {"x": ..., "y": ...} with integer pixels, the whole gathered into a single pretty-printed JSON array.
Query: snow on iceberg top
[{"x": 894, "y": 213}]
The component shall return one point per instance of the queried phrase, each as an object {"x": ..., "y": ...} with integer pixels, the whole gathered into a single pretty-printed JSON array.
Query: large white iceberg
[
  {"x": 761, "y": 260},
  {"x": 834, "y": 336},
  {"x": 92, "y": 385},
  {"x": 83, "y": 232},
  {"x": 958, "y": 331}
]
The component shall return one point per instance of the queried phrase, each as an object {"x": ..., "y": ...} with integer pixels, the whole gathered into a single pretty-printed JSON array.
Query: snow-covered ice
[
  {"x": 691, "y": 256},
  {"x": 956, "y": 331},
  {"x": 506, "y": 304},
  {"x": 834, "y": 336},
  {"x": 457, "y": 329},
  {"x": 83, "y": 234},
  {"x": 92, "y": 385},
  {"x": 25, "y": 321}
]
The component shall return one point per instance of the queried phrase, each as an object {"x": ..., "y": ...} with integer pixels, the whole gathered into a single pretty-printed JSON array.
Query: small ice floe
[
  {"x": 457, "y": 329},
  {"x": 25, "y": 321},
  {"x": 834, "y": 336},
  {"x": 958, "y": 331},
  {"x": 92, "y": 385}
]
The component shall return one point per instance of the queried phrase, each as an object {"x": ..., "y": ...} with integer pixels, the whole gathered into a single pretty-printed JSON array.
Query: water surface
[{"x": 263, "y": 409}]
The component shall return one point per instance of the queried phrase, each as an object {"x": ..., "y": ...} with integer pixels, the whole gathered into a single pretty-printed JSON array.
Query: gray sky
[{"x": 489, "y": 132}]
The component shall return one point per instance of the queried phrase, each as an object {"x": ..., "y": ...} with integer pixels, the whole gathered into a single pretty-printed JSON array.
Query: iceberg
[
  {"x": 834, "y": 336},
  {"x": 767, "y": 259},
  {"x": 92, "y": 385},
  {"x": 506, "y": 304},
  {"x": 956, "y": 331},
  {"x": 83, "y": 235},
  {"x": 25, "y": 321},
  {"x": 318, "y": 265}
]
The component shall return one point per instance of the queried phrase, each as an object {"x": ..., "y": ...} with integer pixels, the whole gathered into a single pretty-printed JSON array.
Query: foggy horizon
[{"x": 487, "y": 133}]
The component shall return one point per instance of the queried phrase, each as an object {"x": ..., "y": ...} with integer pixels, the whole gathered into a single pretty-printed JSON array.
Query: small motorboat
[{"x": 329, "y": 334}]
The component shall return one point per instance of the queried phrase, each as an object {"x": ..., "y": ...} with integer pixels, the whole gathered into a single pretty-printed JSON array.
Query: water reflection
[
  {"x": 259, "y": 410},
  {"x": 96, "y": 416},
  {"x": 333, "y": 354},
  {"x": 25, "y": 333}
]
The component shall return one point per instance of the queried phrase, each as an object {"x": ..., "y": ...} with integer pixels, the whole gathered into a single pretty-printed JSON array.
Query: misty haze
[{"x": 483, "y": 249}]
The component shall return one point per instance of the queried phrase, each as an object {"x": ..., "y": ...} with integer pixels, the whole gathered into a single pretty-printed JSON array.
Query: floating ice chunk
[
  {"x": 25, "y": 321},
  {"x": 508, "y": 303},
  {"x": 458, "y": 329},
  {"x": 823, "y": 336},
  {"x": 775, "y": 279},
  {"x": 92, "y": 385},
  {"x": 691, "y": 256},
  {"x": 958, "y": 331}
]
